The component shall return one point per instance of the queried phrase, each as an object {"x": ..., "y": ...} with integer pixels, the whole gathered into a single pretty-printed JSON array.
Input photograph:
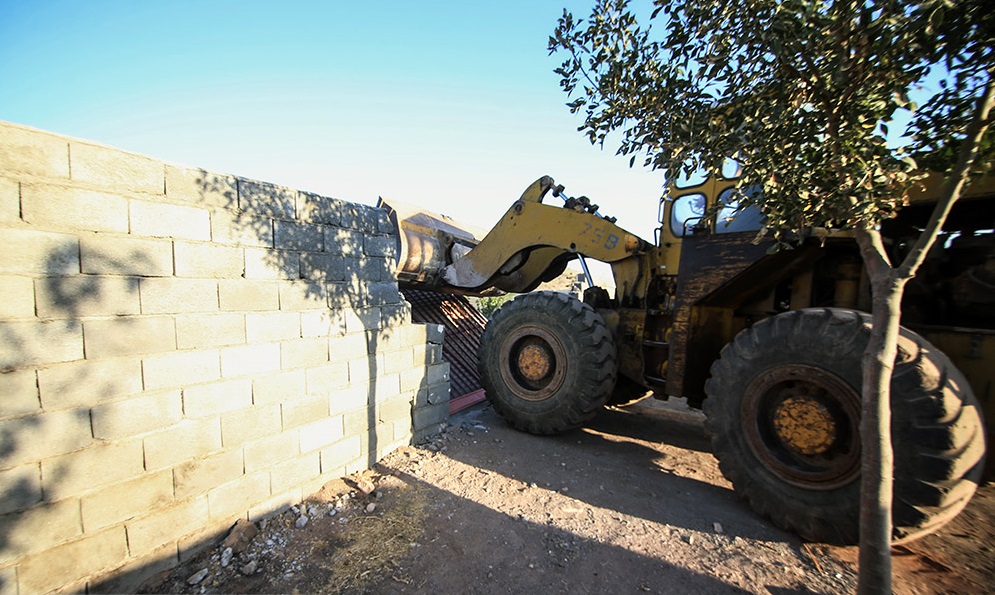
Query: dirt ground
[{"x": 633, "y": 503}]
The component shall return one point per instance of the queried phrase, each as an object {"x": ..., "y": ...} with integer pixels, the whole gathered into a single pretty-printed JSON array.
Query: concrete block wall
[{"x": 180, "y": 349}]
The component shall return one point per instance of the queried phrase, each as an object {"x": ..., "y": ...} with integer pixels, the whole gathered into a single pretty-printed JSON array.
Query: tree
[{"x": 808, "y": 97}]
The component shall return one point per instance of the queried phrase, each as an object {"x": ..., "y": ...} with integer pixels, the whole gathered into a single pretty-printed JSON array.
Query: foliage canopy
[{"x": 808, "y": 97}]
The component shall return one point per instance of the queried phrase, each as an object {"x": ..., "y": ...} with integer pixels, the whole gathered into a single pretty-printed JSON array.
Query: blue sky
[{"x": 450, "y": 105}]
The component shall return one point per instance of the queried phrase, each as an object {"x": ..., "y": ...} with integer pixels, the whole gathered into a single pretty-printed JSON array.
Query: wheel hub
[
  {"x": 804, "y": 425},
  {"x": 534, "y": 362}
]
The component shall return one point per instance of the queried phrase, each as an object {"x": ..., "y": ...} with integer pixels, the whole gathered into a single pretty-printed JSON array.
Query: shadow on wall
[{"x": 321, "y": 250}]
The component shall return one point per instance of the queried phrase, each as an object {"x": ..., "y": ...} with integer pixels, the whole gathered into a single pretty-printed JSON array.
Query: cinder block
[
  {"x": 163, "y": 220},
  {"x": 279, "y": 387},
  {"x": 147, "y": 412},
  {"x": 235, "y": 498},
  {"x": 322, "y": 267},
  {"x": 341, "y": 454},
  {"x": 169, "y": 295},
  {"x": 45, "y": 342},
  {"x": 196, "y": 477},
  {"x": 363, "y": 218},
  {"x": 265, "y": 263},
  {"x": 302, "y": 353},
  {"x": 413, "y": 379},
  {"x": 383, "y": 246},
  {"x": 291, "y": 235},
  {"x": 8, "y": 580},
  {"x": 241, "y": 228},
  {"x": 189, "y": 439},
  {"x": 204, "y": 538},
  {"x": 181, "y": 368},
  {"x": 351, "y": 398},
  {"x": 272, "y": 326},
  {"x": 395, "y": 315},
  {"x": 71, "y": 562},
  {"x": 196, "y": 331},
  {"x": 304, "y": 410},
  {"x": 20, "y": 393},
  {"x": 435, "y": 333},
  {"x": 39, "y": 528},
  {"x": 267, "y": 199},
  {"x": 318, "y": 209},
  {"x": 97, "y": 465},
  {"x": 276, "y": 504},
  {"x": 38, "y": 253},
  {"x": 86, "y": 295},
  {"x": 433, "y": 395},
  {"x": 130, "y": 576},
  {"x": 127, "y": 500},
  {"x": 295, "y": 471},
  {"x": 218, "y": 397},
  {"x": 246, "y": 296},
  {"x": 60, "y": 207},
  {"x": 19, "y": 298},
  {"x": 243, "y": 425},
  {"x": 322, "y": 323},
  {"x": 208, "y": 261},
  {"x": 438, "y": 373},
  {"x": 383, "y": 294},
  {"x": 131, "y": 335},
  {"x": 20, "y": 488},
  {"x": 36, "y": 437},
  {"x": 114, "y": 168},
  {"x": 364, "y": 368},
  {"x": 369, "y": 269},
  {"x": 321, "y": 433},
  {"x": 426, "y": 417},
  {"x": 322, "y": 380},
  {"x": 345, "y": 242},
  {"x": 394, "y": 409},
  {"x": 351, "y": 346},
  {"x": 270, "y": 450},
  {"x": 360, "y": 320},
  {"x": 89, "y": 382},
  {"x": 10, "y": 200},
  {"x": 398, "y": 361},
  {"x": 126, "y": 255},
  {"x": 243, "y": 360},
  {"x": 350, "y": 293},
  {"x": 33, "y": 152},
  {"x": 303, "y": 295},
  {"x": 412, "y": 335},
  {"x": 148, "y": 533},
  {"x": 201, "y": 187}
]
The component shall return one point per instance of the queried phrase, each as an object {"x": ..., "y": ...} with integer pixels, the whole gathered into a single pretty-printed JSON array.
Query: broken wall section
[{"x": 180, "y": 349}]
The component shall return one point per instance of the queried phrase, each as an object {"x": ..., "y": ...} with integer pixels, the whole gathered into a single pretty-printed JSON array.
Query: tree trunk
[{"x": 877, "y": 458}]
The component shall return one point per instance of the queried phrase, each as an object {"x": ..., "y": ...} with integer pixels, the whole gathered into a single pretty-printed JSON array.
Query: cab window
[{"x": 687, "y": 213}]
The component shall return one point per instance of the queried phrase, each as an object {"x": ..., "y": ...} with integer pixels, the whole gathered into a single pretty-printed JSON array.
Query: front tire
[
  {"x": 783, "y": 412},
  {"x": 547, "y": 362}
]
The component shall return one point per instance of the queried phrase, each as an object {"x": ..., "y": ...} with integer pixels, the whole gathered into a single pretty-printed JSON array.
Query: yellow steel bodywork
[{"x": 531, "y": 236}]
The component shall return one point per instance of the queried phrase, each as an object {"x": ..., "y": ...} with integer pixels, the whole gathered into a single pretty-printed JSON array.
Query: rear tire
[
  {"x": 783, "y": 414},
  {"x": 547, "y": 362}
]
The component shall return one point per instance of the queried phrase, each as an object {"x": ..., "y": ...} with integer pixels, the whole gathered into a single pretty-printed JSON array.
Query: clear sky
[{"x": 450, "y": 105}]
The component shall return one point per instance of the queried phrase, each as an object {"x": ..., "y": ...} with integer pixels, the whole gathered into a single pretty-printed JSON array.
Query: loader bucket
[{"x": 426, "y": 243}]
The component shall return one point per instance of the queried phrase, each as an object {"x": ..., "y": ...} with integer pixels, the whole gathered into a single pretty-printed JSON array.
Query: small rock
[
  {"x": 717, "y": 527},
  {"x": 378, "y": 495},
  {"x": 226, "y": 557},
  {"x": 249, "y": 568},
  {"x": 301, "y": 521},
  {"x": 197, "y": 577},
  {"x": 370, "y": 508},
  {"x": 312, "y": 511},
  {"x": 240, "y": 535},
  {"x": 332, "y": 512}
]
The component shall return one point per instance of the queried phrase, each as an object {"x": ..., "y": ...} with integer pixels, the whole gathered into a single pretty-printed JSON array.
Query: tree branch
[{"x": 955, "y": 182}]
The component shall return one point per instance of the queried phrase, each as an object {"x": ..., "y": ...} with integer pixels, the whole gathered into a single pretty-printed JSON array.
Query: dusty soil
[{"x": 633, "y": 503}]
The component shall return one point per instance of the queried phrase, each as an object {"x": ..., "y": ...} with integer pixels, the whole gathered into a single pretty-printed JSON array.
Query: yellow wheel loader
[{"x": 768, "y": 343}]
